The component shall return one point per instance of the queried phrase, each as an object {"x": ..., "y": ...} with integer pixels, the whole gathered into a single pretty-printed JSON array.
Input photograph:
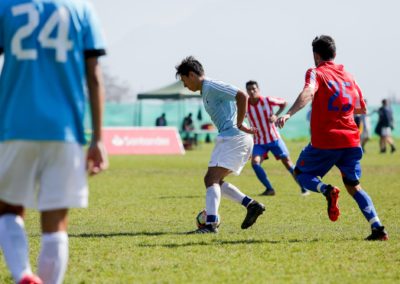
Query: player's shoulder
[{"x": 217, "y": 86}]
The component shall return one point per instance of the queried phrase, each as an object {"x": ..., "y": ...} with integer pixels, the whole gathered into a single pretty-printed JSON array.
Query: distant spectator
[
  {"x": 190, "y": 138},
  {"x": 161, "y": 120},
  {"x": 187, "y": 124},
  {"x": 385, "y": 126}
]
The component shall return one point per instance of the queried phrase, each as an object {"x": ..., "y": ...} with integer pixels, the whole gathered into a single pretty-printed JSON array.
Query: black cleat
[
  {"x": 378, "y": 234},
  {"x": 269, "y": 192},
  {"x": 254, "y": 209},
  {"x": 207, "y": 229}
]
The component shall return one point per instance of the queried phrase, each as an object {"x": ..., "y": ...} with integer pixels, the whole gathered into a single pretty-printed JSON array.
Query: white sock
[
  {"x": 53, "y": 258},
  {"x": 232, "y": 192},
  {"x": 213, "y": 198},
  {"x": 14, "y": 243}
]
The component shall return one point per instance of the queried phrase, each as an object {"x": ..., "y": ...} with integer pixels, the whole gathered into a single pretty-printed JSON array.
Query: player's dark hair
[
  {"x": 251, "y": 82},
  {"x": 324, "y": 46},
  {"x": 189, "y": 64}
]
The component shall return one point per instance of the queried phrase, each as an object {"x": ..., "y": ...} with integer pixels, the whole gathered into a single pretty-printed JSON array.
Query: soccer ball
[{"x": 201, "y": 219}]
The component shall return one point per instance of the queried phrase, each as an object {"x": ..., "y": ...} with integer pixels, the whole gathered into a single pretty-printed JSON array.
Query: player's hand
[
  {"x": 248, "y": 130},
  {"x": 273, "y": 118},
  {"x": 96, "y": 160},
  {"x": 280, "y": 122}
]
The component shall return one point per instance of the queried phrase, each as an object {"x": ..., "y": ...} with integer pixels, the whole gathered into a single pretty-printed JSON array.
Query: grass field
[{"x": 140, "y": 208}]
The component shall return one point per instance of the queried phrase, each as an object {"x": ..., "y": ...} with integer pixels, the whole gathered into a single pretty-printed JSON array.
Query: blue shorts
[
  {"x": 278, "y": 148},
  {"x": 318, "y": 162}
]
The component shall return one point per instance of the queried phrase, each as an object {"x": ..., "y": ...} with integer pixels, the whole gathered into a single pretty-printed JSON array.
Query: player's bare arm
[
  {"x": 275, "y": 116},
  {"x": 302, "y": 100},
  {"x": 96, "y": 156},
  {"x": 360, "y": 106},
  {"x": 241, "y": 103}
]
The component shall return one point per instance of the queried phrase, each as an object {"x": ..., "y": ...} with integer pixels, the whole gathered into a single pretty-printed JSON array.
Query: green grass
[{"x": 140, "y": 208}]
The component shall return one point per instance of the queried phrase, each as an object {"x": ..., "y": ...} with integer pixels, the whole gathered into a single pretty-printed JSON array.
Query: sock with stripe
[
  {"x": 312, "y": 183},
  {"x": 262, "y": 175},
  {"x": 233, "y": 193},
  {"x": 367, "y": 208},
  {"x": 14, "y": 244},
  {"x": 213, "y": 198}
]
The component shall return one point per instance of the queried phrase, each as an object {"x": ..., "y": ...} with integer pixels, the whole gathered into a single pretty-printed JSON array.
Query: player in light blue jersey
[
  {"x": 227, "y": 106},
  {"x": 51, "y": 50}
]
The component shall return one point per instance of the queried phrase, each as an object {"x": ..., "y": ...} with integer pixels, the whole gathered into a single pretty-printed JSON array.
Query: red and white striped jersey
[{"x": 258, "y": 116}]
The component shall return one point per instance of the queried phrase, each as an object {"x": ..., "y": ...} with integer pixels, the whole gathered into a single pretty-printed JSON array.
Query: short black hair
[
  {"x": 324, "y": 46},
  {"x": 189, "y": 64},
  {"x": 251, "y": 82}
]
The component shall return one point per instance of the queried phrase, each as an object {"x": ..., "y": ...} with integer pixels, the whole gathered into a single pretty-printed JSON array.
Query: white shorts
[
  {"x": 386, "y": 131},
  {"x": 232, "y": 153},
  {"x": 43, "y": 175}
]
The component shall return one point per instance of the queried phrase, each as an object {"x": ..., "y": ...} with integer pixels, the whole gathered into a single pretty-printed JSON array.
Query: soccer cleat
[
  {"x": 30, "y": 279},
  {"x": 207, "y": 229},
  {"x": 378, "y": 234},
  {"x": 332, "y": 196},
  {"x": 254, "y": 209},
  {"x": 393, "y": 149},
  {"x": 269, "y": 192}
]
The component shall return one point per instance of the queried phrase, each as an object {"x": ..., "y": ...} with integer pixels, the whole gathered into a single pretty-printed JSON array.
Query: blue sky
[{"x": 237, "y": 40}]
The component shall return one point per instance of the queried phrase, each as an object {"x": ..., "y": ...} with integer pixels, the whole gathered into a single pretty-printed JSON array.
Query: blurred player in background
[
  {"x": 262, "y": 117},
  {"x": 335, "y": 139},
  {"x": 50, "y": 50},
  {"x": 385, "y": 126},
  {"x": 227, "y": 107}
]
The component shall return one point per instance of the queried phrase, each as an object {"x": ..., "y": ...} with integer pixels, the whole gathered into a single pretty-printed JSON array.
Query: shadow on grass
[
  {"x": 181, "y": 197},
  {"x": 121, "y": 234},
  {"x": 225, "y": 242}
]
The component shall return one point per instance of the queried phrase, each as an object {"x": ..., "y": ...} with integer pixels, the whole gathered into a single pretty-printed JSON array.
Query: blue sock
[
  {"x": 367, "y": 208},
  {"x": 211, "y": 219},
  {"x": 312, "y": 183},
  {"x": 246, "y": 200},
  {"x": 291, "y": 170},
  {"x": 262, "y": 175}
]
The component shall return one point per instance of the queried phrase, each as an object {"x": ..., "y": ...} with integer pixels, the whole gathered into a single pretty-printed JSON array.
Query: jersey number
[
  {"x": 337, "y": 87},
  {"x": 59, "y": 20}
]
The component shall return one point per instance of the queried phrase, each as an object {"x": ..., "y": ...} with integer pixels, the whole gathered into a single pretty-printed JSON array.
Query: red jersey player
[
  {"x": 262, "y": 117},
  {"x": 335, "y": 138}
]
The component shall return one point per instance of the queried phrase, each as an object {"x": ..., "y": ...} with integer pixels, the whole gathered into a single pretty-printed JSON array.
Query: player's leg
[
  {"x": 212, "y": 182},
  {"x": 18, "y": 163},
  {"x": 281, "y": 152},
  {"x": 382, "y": 143},
  {"x": 350, "y": 168},
  {"x": 237, "y": 151},
  {"x": 256, "y": 160},
  {"x": 53, "y": 257},
  {"x": 233, "y": 193},
  {"x": 14, "y": 242},
  {"x": 312, "y": 164},
  {"x": 63, "y": 185}
]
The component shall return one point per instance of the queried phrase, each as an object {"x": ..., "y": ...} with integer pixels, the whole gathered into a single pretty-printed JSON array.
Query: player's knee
[
  {"x": 350, "y": 182},
  {"x": 296, "y": 172}
]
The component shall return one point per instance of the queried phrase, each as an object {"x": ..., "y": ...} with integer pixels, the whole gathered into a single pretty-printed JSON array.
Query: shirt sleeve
[
  {"x": 311, "y": 80},
  {"x": 94, "y": 43},
  {"x": 275, "y": 101}
]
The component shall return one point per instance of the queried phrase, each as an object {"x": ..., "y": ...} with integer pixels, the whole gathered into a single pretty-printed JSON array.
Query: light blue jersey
[
  {"x": 42, "y": 83},
  {"x": 219, "y": 101}
]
